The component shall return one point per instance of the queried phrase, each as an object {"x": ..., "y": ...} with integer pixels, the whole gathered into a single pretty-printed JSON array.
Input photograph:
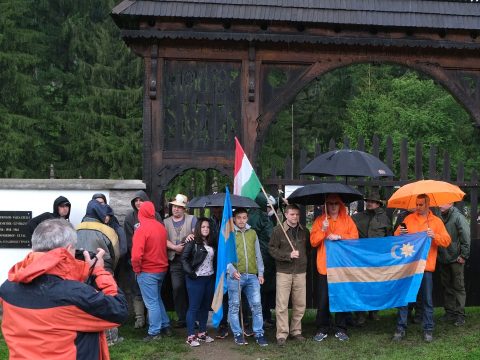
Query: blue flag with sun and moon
[
  {"x": 375, "y": 273},
  {"x": 226, "y": 253}
]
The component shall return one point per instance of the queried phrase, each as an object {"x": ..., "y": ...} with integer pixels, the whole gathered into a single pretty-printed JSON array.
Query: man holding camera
[
  {"x": 49, "y": 312},
  {"x": 423, "y": 220}
]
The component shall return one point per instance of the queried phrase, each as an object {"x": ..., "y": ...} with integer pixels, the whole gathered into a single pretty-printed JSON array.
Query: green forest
[{"x": 71, "y": 95}]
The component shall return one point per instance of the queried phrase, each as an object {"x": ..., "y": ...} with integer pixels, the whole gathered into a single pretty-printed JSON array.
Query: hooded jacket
[
  {"x": 343, "y": 226},
  {"x": 131, "y": 222},
  {"x": 50, "y": 313},
  {"x": 149, "y": 250},
  {"x": 459, "y": 231},
  {"x": 33, "y": 223},
  {"x": 93, "y": 233}
]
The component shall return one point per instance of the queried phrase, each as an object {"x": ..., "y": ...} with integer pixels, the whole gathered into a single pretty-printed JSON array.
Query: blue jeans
[
  {"x": 251, "y": 288},
  {"x": 151, "y": 288},
  {"x": 200, "y": 295},
  {"x": 426, "y": 289}
]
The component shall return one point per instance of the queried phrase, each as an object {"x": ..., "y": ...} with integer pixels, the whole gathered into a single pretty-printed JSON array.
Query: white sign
[{"x": 38, "y": 202}]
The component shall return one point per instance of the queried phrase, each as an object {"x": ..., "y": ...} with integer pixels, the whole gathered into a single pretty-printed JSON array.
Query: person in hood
[
  {"x": 49, "y": 312},
  {"x": 452, "y": 262},
  {"x": 334, "y": 225},
  {"x": 150, "y": 264},
  {"x": 130, "y": 224},
  {"x": 61, "y": 209},
  {"x": 93, "y": 232},
  {"x": 113, "y": 223},
  {"x": 101, "y": 198}
]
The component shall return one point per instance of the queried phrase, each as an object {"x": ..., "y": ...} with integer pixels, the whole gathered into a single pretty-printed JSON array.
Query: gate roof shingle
[{"x": 388, "y": 13}]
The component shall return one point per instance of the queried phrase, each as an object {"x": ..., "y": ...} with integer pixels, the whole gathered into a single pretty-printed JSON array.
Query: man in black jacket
[{"x": 61, "y": 209}]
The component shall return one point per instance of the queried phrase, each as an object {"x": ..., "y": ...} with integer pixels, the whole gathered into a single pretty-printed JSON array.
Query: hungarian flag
[{"x": 245, "y": 181}]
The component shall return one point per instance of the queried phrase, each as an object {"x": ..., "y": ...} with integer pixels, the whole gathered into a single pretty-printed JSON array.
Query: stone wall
[{"x": 118, "y": 192}]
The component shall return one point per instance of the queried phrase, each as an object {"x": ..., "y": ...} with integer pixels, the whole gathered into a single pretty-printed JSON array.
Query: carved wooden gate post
[{"x": 214, "y": 70}]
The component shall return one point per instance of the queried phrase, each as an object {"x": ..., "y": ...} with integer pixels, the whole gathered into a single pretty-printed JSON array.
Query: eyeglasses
[{"x": 333, "y": 203}]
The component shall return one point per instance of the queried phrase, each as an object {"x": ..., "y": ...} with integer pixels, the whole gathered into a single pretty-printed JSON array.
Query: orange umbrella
[{"x": 439, "y": 192}]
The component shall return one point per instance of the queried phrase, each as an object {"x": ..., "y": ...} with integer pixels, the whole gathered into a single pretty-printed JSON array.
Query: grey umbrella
[
  {"x": 313, "y": 194},
  {"x": 218, "y": 199},
  {"x": 347, "y": 162}
]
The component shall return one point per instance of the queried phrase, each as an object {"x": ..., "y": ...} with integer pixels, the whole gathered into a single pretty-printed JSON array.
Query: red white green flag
[{"x": 246, "y": 182}]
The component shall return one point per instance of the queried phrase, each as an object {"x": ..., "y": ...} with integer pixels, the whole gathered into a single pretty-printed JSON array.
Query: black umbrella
[
  {"x": 316, "y": 193},
  {"x": 347, "y": 162},
  {"x": 218, "y": 199}
]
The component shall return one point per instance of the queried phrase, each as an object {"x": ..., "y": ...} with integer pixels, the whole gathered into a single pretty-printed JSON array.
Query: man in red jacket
[
  {"x": 49, "y": 312},
  {"x": 150, "y": 264}
]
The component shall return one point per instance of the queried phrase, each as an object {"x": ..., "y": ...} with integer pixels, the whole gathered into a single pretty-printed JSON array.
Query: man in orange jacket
[
  {"x": 423, "y": 220},
  {"x": 336, "y": 224},
  {"x": 49, "y": 312}
]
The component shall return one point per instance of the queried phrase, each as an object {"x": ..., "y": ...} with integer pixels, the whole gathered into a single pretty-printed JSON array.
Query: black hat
[{"x": 374, "y": 195}]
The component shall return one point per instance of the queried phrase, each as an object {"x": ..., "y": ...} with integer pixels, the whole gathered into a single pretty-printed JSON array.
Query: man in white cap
[{"x": 179, "y": 226}]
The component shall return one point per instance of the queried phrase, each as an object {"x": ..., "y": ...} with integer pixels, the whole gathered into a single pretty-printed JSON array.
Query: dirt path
[{"x": 223, "y": 349}]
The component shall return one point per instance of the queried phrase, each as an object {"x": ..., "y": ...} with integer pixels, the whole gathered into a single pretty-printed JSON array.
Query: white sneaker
[
  {"x": 192, "y": 341},
  {"x": 205, "y": 338}
]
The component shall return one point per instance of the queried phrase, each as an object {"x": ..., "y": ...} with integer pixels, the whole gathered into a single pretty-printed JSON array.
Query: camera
[{"x": 79, "y": 254}]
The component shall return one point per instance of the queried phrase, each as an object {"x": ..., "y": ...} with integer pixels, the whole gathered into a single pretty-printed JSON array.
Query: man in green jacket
[
  {"x": 291, "y": 267},
  {"x": 245, "y": 276},
  {"x": 372, "y": 223},
  {"x": 452, "y": 262}
]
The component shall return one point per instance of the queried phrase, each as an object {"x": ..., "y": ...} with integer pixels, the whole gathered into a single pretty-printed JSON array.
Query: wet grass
[{"x": 373, "y": 341}]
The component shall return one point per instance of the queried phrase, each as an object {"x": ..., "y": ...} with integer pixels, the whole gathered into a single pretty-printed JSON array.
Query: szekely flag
[
  {"x": 226, "y": 253},
  {"x": 375, "y": 273},
  {"x": 246, "y": 182}
]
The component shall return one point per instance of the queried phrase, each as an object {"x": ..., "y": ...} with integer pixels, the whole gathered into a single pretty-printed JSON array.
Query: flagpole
[
  {"x": 241, "y": 310},
  {"x": 278, "y": 219}
]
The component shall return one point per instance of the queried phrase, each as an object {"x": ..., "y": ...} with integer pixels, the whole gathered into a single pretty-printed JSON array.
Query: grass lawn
[{"x": 369, "y": 342}]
